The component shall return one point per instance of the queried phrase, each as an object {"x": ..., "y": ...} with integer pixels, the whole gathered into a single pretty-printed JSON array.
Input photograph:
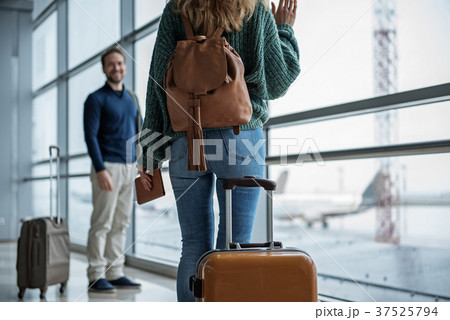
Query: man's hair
[{"x": 107, "y": 52}]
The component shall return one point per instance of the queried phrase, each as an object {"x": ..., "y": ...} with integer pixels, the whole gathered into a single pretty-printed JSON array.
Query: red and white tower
[{"x": 385, "y": 70}]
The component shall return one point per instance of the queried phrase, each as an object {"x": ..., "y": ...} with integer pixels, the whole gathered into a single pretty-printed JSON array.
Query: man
[{"x": 111, "y": 118}]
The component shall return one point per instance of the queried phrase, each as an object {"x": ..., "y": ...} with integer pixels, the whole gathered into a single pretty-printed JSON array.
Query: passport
[{"x": 157, "y": 191}]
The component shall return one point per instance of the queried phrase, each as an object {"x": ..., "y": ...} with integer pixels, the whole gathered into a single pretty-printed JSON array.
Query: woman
[{"x": 266, "y": 43}]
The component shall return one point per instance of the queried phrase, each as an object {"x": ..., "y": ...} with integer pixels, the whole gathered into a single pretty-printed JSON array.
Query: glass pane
[
  {"x": 80, "y": 166},
  {"x": 44, "y": 124},
  {"x": 420, "y": 44},
  {"x": 80, "y": 86},
  {"x": 41, "y": 191},
  {"x": 340, "y": 66},
  {"x": 336, "y": 68},
  {"x": 39, "y": 6},
  {"x": 41, "y": 198},
  {"x": 331, "y": 212},
  {"x": 147, "y": 10},
  {"x": 44, "y": 52},
  {"x": 143, "y": 52},
  {"x": 42, "y": 170},
  {"x": 80, "y": 209},
  {"x": 416, "y": 124},
  {"x": 93, "y": 26},
  {"x": 157, "y": 232}
]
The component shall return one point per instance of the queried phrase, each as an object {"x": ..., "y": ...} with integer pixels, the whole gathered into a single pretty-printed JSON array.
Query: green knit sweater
[{"x": 271, "y": 58}]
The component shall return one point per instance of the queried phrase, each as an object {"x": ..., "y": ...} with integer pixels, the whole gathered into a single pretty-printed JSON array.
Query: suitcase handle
[
  {"x": 273, "y": 244},
  {"x": 249, "y": 182},
  {"x": 58, "y": 182}
]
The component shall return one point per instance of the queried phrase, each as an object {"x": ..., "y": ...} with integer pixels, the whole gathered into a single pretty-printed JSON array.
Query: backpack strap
[
  {"x": 196, "y": 153},
  {"x": 187, "y": 27},
  {"x": 190, "y": 32},
  {"x": 218, "y": 32}
]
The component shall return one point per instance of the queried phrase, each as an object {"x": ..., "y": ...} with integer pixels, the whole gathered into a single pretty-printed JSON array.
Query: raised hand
[{"x": 286, "y": 12}]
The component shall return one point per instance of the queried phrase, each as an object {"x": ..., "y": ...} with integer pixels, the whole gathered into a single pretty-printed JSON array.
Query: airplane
[{"x": 319, "y": 207}]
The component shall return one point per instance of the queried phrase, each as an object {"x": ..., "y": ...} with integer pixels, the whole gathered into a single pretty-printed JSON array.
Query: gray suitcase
[{"x": 43, "y": 252}]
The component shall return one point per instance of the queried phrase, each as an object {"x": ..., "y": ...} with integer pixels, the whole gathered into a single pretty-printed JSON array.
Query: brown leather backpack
[{"x": 205, "y": 88}]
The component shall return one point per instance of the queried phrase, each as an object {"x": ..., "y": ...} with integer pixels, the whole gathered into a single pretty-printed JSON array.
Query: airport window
[
  {"x": 337, "y": 52},
  {"x": 422, "y": 53},
  {"x": 93, "y": 26},
  {"x": 80, "y": 209},
  {"x": 331, "y": 212},
  {"x": 143, "y": 53},
  {"x": 80, "y": 86},
  {"x": 41, "y": 198},
  {"x": 80, "y": 165},
  {"x": 323, "y": 136},
  {"x": 430, "y": 118},
  {"x": 41, "y": 191},
  {"x": 40, "y": 170},
  {"x": 39, "y": 6},
  {"x": 146, "y": 11},
  {"x": 157, "y": 232},
  {"x": 80, "y": 199},
  {"x": 44, "y": 125},
  {"x": 335, "y": 59},
  {"x": 44, "y": 52},
  {"x": 427, "y": 122}
]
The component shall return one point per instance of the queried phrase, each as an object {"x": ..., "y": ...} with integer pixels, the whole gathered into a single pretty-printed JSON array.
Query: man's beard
[{"x": 111, "y": 79}]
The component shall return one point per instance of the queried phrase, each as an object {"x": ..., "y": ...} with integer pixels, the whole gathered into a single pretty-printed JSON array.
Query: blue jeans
[{"x": 227, "y": 156}]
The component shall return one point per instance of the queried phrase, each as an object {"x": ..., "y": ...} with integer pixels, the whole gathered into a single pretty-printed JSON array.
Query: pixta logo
[
  {"x": 154, "y": 140},
  {"x": 294, "y": 151},
  {"x": 219, "y": 150}
]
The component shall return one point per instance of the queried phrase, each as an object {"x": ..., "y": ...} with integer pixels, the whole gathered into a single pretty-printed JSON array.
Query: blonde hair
[{"x": 207, "y": 15}]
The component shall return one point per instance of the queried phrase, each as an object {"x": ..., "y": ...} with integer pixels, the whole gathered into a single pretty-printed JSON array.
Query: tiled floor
[{"x": 155, "y": 288}]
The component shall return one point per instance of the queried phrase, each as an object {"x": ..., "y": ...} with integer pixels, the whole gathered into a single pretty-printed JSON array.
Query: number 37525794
[{"x": 406, "y": 311}]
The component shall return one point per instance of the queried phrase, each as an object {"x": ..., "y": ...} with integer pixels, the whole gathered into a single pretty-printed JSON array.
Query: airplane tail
[
  {"x": 369, "y": 196},
  {"x": 282, "y": 182}
]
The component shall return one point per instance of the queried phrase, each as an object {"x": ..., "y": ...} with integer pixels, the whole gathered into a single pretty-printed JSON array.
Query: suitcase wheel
[
  {"x": 21, "y": 293},
  {"x": 63, "y": 287}
]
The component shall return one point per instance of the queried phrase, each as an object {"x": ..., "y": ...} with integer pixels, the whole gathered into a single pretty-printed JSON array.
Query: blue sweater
[{"x": 109, "y": 121}]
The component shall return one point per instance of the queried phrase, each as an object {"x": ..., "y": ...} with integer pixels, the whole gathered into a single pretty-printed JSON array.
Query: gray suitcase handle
[
  {"x": 58, "y": 184},
  {"x": 249, "y": 182}
]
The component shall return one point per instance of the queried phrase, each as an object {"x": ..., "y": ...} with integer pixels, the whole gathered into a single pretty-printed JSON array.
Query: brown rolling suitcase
[
  {"x": 43, "y": 252},
  {"x": 254, "y": 272}
]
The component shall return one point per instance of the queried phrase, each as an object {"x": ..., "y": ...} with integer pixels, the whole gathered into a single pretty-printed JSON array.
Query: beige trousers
[{"x": 109, "y": 220}]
